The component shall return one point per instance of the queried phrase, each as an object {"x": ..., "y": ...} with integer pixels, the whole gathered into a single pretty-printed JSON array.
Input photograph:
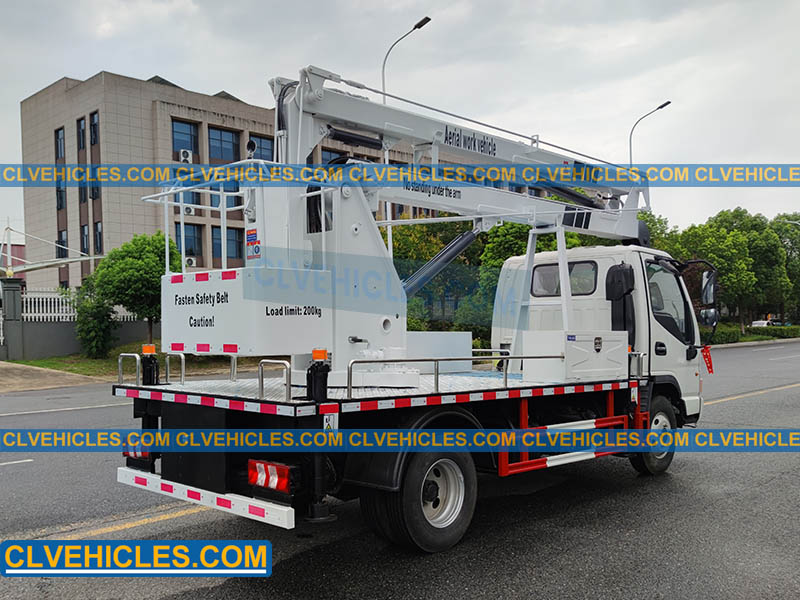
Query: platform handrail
[
  {"x": 436, "y": 361},
  {"x": 287, "y": 370},
  {"x": 182, "y": 356},
  {"x": 138, "y": 366}
]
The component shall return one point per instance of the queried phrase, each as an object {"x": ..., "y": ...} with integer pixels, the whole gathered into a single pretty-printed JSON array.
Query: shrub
[
  {"x": 792, "y": 331},
  {"x": 725, "y": 334},
  {"x": 94, "y": 323}
]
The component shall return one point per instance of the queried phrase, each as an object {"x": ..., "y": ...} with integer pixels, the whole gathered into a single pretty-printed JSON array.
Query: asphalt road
[{"x": 715, "y": 526}]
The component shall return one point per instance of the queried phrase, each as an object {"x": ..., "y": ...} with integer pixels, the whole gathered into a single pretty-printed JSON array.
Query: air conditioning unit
[
  {"x": 185, "y": 156},
  {"x": 191, "y": 261},
  {"x": 189, "y": 211}
]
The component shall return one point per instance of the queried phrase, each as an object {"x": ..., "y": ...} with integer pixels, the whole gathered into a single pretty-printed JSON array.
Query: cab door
[{"x": 673, "y": 332}]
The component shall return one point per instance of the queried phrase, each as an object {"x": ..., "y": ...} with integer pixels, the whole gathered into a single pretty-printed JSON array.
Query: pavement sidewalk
[{"x": 17, "y": 378}]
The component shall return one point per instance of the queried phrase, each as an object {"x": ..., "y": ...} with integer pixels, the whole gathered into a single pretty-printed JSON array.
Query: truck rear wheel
[
  {"x": 662, "y": 416},
  {"x": 434, "y": 506}
]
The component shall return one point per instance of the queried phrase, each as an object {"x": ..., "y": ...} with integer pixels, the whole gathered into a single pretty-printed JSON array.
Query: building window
[
  {"x": 94, "y": 189},
  {"x": 98, "y": 237},
  {"x": 83, "y": 194},
  {"x": 184, "y": 137},
  {"x": 64, "y": 284},
  {"x": 94, "y": 128},
  {"x": 263, "y": 147},
  {"x": 223, "y": 144},
  {"x": 81, "y": 127},
  {"x": 188, "y": 197},
  {"x": 85, "y": 239},
  {"x": 329, "y": 155},
  {"x": 194, "y": 239},
  {"x": 234, "y": 242},
  {"x": 227, "y": 186},
  {"x": 61, "y": 248},
  {"x": 61, "y": 194},
  {"x": 59, "y": 139}
]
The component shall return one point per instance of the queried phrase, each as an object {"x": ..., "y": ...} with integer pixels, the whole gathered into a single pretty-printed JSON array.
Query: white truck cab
[{"x": 656, "y": 313}]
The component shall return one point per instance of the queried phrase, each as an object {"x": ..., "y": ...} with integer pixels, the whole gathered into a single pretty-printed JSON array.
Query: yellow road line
[
  {"x": 750, "y": 394},
  {"x": 146, "y": 521}
]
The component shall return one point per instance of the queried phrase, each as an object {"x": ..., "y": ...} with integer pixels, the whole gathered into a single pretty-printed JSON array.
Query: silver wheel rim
[
  {"x": 442, "y": 493},
  {"x": 660, "y": 422}
]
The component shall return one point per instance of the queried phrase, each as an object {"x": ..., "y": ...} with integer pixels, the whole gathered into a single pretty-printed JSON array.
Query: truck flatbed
[{"x": 453, "y": 388}]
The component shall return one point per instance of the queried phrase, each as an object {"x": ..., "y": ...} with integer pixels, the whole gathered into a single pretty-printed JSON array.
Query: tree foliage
[{"x": 131, "y": 276}]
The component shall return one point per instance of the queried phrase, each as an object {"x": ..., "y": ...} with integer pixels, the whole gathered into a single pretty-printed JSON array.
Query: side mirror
[
  {"x": 619, "y": 281},
  {"x": 708, "y": 295},
  {"x": 709, "y": 317}
]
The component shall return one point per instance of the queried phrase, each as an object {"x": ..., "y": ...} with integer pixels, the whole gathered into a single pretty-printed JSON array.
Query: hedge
[
  {"x": 725, "y": 334},
  {"x": 792, "y": 331}
]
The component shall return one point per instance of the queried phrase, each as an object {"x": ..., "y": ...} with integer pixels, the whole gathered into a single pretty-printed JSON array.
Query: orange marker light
[
  {"x": 148, "y": 349},
  {"x": 319, "y": 354}
]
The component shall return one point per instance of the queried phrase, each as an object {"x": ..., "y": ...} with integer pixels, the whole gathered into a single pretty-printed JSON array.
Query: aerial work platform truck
[{"x": 588, "y": 338}]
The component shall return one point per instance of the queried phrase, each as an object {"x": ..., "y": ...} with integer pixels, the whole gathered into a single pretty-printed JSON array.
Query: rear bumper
[{"x": 258, "y": 510}]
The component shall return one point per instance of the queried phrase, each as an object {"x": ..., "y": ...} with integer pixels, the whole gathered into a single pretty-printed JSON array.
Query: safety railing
[
  {"x": 287, "y": 369},
  {"x": 436, "y": 361},
  {"x": 138, "y": 367},
  {"x": 180, "y": 355}
]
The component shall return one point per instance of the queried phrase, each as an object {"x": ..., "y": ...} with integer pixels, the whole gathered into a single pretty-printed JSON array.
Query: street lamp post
[
  {"x": 630, "y": 137},
  {"x": 419, "y": 25}
]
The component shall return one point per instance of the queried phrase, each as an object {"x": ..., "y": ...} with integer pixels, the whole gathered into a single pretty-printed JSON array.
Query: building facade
[{"x": 110, "y": 118}]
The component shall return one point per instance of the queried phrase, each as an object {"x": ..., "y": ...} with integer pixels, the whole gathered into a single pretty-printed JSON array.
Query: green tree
[
  {"x": 131, "y": 276},
  {"x": 94, "y": 323},
  {"x": 789, "y": 234},
  {"x": 772, "y": 287},
  {"x": 728, "y": 252}
]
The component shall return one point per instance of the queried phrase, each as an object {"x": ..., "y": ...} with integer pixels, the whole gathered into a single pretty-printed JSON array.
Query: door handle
[{"x": 661, "y": 349}]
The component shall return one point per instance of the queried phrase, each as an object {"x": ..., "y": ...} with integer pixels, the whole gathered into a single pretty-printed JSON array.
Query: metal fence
[{"x": 51, "y": 306}]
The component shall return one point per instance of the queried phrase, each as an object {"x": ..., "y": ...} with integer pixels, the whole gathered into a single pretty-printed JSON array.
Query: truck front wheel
[
  {"x": 662, "y": 416},
  {"x": 434, "y": 506}
]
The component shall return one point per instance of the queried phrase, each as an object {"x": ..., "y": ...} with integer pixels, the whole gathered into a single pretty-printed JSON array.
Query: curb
[{"x": 758, "y": 343}]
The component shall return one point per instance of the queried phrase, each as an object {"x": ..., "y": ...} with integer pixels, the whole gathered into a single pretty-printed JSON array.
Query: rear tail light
[
  {"x": 136, "y": 452},
  {"x": 269, "y": 475}
]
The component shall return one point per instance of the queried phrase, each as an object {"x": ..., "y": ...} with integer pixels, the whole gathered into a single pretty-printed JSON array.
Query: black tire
[
  {"x": 424, "y": 515},
  {"x": 654, "y": 463}
]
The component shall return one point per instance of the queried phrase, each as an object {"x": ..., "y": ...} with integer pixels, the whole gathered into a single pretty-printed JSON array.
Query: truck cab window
[{"x": 668, "y": 302}]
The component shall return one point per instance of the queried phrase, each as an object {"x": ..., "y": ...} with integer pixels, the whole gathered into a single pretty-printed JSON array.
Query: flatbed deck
[{"x": 242, "y": 394}]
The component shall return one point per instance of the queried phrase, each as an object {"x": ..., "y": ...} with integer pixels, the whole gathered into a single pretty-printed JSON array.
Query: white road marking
[
  {"x": 786, "y": 357},
  {"x": 16, "y": 462},
  {"x": 753, "y": 393},
  {"x": 52, "y": 410}
]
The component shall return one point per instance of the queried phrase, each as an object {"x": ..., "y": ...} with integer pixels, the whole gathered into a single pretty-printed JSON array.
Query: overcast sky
[{"x": 577, "y": 73}]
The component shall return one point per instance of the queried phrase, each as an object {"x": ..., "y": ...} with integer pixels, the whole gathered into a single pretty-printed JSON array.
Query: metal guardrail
[
  {"x": 182, "y": 356},
  {"x": 506, "y": 359},
  {"x": 287, "y": 369},
  {"x": 138, "y": 367}
]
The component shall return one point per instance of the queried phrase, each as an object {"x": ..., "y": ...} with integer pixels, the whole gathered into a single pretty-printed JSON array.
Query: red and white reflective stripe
[
  {"x": 374, "y": 404},
  {"x": 205, "y": 348},
  {"x": 369, "y": 405},
  {"x": 258, "y": 510},
  {"x": 205, "y": 276},
  {"x": 281, "y": 410}
]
